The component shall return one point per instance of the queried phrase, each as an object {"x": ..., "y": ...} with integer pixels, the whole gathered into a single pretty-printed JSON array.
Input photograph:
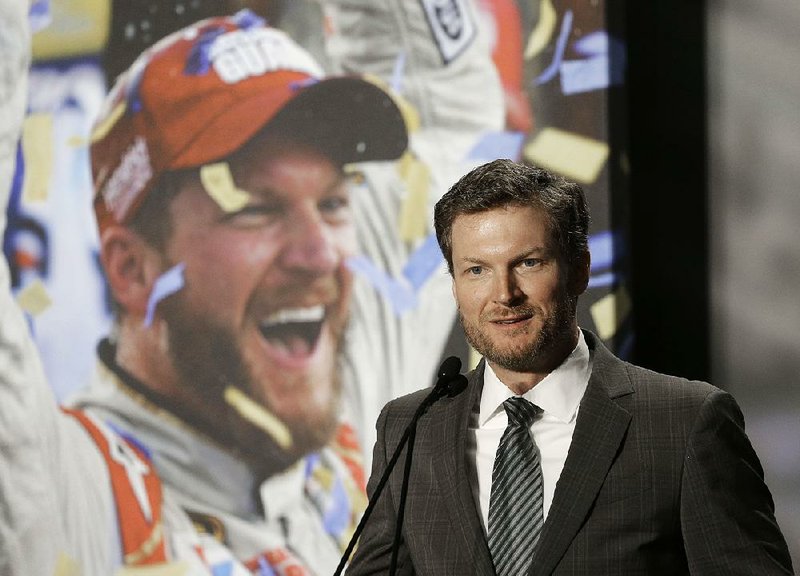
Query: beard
[
  {"x": 208, "y": 359},
  {"x": 539, "y": 354}
]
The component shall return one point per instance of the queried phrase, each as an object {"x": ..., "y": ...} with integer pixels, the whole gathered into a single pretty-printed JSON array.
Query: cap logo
[
  {"x": 243, "y": 54},
  {"x": 128, "y": 180}
]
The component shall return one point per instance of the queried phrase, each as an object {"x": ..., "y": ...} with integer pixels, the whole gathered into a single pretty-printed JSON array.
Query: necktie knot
[{"x": 520, "y": 411}]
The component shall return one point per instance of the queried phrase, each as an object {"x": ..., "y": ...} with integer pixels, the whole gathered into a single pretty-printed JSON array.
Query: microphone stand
[
  {"x": 444, "y": 386},
  {"x": 403, "y": 492}
]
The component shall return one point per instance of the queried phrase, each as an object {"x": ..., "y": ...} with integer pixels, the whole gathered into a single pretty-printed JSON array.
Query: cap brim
[{"x": 347, "y": 118}]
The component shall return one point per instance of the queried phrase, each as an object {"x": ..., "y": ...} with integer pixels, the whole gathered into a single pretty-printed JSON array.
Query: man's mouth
[
  {"x": 294, "y": 331},
  {"x": 512, "y": 319}
]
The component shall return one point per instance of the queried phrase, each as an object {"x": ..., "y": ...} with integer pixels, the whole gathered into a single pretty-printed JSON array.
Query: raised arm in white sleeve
[{"x": 55, "y": 506}]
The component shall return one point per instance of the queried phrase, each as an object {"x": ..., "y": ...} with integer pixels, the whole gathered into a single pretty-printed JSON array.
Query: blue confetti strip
[
  {"x": 423, "y": 262},
  {"x": 578, "y": 76},
  {"x": 601, "y": 247},
  {"x": 401, "y": 292},
  {"x": 604, "y": 67},
  {"x": 593, "y": 44},
  {"x": 398, "y": 292},
  {"x": 222, "y": 569},
  {"x": 167, "y": 284},
  {"x": 492, "y": 145},
  {"x": 265, "y": 569},
  {"x": 561, "y": 45},
  {"x": 133, "y": 93},
  {"x": 127, "y": 436},
  {"x": 247, "y": 19},
  {"x": 198, "y": 62},
  {"x": 602, "y": 280},
  {"x": 398, "y": 71},
  {"x": 300, "y": 84},
  {"x": 39, "y": 15}
]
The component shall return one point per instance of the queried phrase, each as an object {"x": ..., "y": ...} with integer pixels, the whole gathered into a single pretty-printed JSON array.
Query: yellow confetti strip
[
  {"x": 259, "y": 416},
  {"x": 77, "y": 142},
  {"x": 573, "y": 156},
  {"x": 325, "y": 477},
  {"x": 610, "y": 311},
  {"x": 218, "y": 182},
  {"x": 413, "y": 224},
  {"x": 66, "y": 566},
  {"x": 108, "y": 122},
  {"x": 541, "y": 35},
  {"x": 37, "y": 149},
  {"x": 170, "y": 569},
  {"x": 34, "y": 299},
  {"x": 78, "y": 27}
]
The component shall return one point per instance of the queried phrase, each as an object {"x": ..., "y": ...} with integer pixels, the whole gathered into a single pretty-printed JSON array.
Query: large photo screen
[{"x": 220, "y": 233}]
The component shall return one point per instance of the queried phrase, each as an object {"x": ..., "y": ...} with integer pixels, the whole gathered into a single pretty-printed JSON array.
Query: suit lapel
[
  {"x": 449, "y": 421},
  {"x": 599, "y": 430}
]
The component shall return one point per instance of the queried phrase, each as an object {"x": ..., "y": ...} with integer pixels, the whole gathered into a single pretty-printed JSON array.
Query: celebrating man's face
[{"x": 265, "y": 295}]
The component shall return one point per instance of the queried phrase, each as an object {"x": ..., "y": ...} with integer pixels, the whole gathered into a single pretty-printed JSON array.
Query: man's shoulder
[
  {"x": 407, "y": 403},
  {"x": 667, "y": 395},
  {"x": 624, "y": 375},
  {"x": 641, "y": 376}
]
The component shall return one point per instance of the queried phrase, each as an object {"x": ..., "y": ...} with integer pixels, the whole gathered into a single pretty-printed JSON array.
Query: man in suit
[{"x": 626, "y": 471}]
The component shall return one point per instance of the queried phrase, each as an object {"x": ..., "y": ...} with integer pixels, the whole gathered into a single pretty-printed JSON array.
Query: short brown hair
[{"x": 505, "y": 183}]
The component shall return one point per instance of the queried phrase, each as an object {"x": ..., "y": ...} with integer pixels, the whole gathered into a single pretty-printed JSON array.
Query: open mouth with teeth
[{"x": 294, "y": 331}]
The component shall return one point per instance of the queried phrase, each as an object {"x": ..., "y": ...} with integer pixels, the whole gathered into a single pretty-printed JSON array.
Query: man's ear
[
  {"x": 579, "y": 278},
  {"x": 131, "y": 266}
]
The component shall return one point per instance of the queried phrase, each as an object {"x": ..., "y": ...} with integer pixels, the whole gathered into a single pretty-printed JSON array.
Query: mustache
[
  {"x": 508, "y": 312},
  {"x": 327, "y": 290}
]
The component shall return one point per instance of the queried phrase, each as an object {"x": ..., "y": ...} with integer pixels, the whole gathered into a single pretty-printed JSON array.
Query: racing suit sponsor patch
[{"x": 452, "y": 26}]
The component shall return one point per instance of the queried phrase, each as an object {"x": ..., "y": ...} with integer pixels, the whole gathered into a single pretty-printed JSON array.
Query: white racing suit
[
  {"x": 437, "y": 57},
  {"x": 120, "y": 481}
]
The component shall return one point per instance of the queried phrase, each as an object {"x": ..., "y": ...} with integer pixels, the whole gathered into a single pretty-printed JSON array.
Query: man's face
[
  {"x": 511, "y": 288},
  {"x": 266, "y": 293}
]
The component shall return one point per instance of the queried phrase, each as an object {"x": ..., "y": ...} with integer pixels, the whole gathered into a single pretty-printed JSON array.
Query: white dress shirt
[{"x": 558, "y": 395}]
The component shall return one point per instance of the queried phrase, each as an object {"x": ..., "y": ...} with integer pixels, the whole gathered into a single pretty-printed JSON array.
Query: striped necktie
[{"x": 515, "y": 503}]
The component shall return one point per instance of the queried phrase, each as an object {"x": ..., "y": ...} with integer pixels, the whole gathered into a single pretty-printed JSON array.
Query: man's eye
[
  {"x": 254, "y": 213},
  {"x": 335, "y": 209},
  {"x": 530, "y": 262},
  {"x": 475, "y": 270},
  {"x": 333, "y": 204}
]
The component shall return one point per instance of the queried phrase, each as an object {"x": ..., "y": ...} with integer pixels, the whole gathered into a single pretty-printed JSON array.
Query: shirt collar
[{"x": 559, "y": 394}]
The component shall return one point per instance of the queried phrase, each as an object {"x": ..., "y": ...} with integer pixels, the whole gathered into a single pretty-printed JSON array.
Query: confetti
[
  {"x": 573, "y": 156},
  {"x": 66, "y": 566},
  {"x": 34, "y": 299},
  {"x": 167, "y": 284},
  {"x": 218, "y": 182},
  {"x": 258, "y": 415},
  {"x": 541, "y": 35},
  {"x": 37, "y": 150},
  {"x": 170, "y": 569},
  {"x": 610, "y": 311}
]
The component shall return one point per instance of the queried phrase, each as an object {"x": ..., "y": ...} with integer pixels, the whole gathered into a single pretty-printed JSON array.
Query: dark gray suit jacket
[{"x": 660, "y": 478}]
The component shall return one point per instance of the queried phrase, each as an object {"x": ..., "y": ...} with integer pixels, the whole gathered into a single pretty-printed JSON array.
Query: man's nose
[
  {"x": 310, "y": 245},
  {"x": 506, "y": 289}
]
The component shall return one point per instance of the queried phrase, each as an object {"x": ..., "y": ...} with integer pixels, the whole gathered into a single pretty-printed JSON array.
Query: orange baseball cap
[{"x": 201, "y": 93}]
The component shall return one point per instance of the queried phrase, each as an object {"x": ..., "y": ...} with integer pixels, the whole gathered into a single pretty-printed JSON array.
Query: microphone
[{"x": 449, "y": 382}]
